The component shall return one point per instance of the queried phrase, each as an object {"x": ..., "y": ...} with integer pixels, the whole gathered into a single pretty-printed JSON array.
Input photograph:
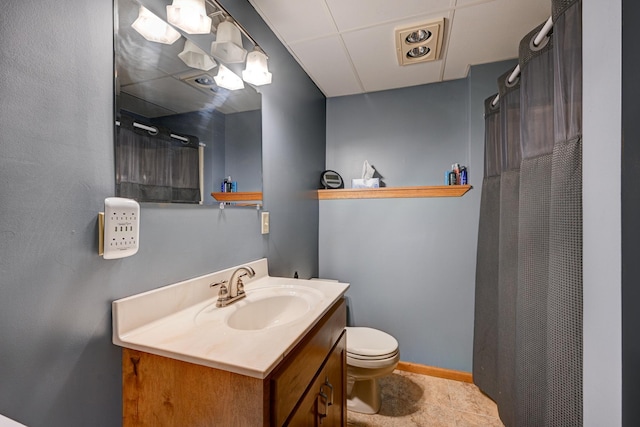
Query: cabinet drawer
[{"x": 289, "y": 381}]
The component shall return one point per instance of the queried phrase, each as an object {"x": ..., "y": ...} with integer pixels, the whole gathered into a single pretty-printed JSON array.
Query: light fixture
[
  {"x": 190, "y": 16},
  {"x": 228, "y": 45},
  {"x": 419, "y": 43},
  {"x": 418, "y": 36},
  {"x": 257, "y": 72},
  {"x": 153, "y": 28},
  {"x": 204, "y": 80},
  {"x": 418, "y": 52},
  {"x": 195, "y": 57},
  {"x": 228, "y": 79}
]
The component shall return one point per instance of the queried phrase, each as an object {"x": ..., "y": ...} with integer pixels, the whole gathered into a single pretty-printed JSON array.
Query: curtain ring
[
  {"x": 542, "y": 44},
  {"x": 515, "y": 81}
]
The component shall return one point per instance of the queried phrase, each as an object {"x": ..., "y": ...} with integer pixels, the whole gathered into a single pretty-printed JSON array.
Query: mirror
[{"x": 179, "y": 133}]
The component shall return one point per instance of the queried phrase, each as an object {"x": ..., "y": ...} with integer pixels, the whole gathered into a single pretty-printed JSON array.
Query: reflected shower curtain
[
  {"x": 156, "y": 167},
  {"x": 539, "y": 363},
  {"x": 485, "y": 339}
]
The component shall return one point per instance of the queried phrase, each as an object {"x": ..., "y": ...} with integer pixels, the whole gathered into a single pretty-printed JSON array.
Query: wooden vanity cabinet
[
  {"x": 324, "y": 402},
  {"x": 307, "y": 388}
]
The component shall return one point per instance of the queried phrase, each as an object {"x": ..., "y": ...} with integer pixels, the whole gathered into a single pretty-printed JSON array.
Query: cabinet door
[{"x": 324, "y": 404}]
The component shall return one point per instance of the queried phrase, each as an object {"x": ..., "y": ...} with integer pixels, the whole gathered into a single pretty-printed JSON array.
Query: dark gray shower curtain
[
  {"x": 564, "y": 309},
  {"x": 537, "y": 359},
  {"x": 508, "y": 244},
  {"x": 485, "y": 337},
  {"x": 536, "y": 112}
]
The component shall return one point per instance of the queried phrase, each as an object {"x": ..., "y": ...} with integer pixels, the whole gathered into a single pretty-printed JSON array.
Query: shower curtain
[
  {"x": 508, "y": 243},
  {"x": 537, "y": 347},
  {"x": 485, "y": 338}
]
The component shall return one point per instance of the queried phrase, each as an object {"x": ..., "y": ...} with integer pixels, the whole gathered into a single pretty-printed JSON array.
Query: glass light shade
[
  {"x": 195, "y": 57},
  {"x": 190, "y": 16},
  {"x": 228, "y": 45},
  {"x": 257, "y": 72},
  {"x": 228, "y": 79},
  {"x": 153, "y": 28}
]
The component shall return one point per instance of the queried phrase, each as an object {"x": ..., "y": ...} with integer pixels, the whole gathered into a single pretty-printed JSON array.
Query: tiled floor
[{"x": 420, "y": 400}]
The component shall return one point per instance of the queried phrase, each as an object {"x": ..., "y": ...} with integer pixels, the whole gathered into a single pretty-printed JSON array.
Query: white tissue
[
  {"x": 367, "y": 170},
  {"x": 367, "y": 180}
]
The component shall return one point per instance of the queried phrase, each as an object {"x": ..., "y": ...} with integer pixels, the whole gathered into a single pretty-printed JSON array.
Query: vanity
[{"x": 276, "y": 357}]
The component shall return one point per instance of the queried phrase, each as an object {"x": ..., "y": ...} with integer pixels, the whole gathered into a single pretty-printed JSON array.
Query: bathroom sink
[
  {"x": 265, "y": 308},
  {"x": 248, "y": 337}
]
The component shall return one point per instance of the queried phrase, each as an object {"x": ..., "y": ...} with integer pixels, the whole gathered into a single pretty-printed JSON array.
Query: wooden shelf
[
  {"x": 239, "y": 196},
  {"x": 395, "y": 192}
]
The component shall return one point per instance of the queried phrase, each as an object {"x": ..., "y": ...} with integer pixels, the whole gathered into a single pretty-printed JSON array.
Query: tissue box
[{"x": 365, "y": 183}]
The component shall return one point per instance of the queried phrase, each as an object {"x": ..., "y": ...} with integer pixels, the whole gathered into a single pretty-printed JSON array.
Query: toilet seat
[{"x": 370, "y": 348}]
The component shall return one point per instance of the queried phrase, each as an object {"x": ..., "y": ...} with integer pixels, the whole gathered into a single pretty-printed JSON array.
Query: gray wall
[
  {"x": 57, "y": 364},
  {"x": 243, "y": 149},
  {"x": 411, "y": 262}
]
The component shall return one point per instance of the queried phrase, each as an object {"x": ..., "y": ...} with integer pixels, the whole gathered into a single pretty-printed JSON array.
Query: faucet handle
[
  {"x": 223, "y": 293},
  {"x": 240, "y": 285}
]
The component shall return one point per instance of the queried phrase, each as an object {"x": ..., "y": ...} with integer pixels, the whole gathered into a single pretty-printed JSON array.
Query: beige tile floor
[{"x": 419, "y": 400}]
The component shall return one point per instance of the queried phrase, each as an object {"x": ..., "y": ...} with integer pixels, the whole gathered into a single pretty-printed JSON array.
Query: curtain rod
[
  {"x": 544, "y": 32},
  {"x": 154, "y": 131}
]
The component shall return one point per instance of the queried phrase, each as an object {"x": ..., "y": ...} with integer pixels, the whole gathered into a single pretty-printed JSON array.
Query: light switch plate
[{"x": 264, "y": 222}]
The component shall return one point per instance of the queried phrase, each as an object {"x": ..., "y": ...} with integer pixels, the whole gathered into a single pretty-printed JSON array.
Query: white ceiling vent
[{"x": 419, "y": 43}]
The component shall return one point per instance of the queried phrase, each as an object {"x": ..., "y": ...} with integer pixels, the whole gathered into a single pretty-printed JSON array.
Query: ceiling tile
[
  {"x": 328, "y": 65},
  {"x": 374, "y": 56},
  {"x": 296, "y": 20},
  {"x": 491, "y": 32},
  {"x": 172, "y": 94},
  {"x": 356, "y": 14}
]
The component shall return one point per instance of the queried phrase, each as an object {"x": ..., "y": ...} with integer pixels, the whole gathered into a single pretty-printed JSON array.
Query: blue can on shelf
[{"x": 463, "y": 176}]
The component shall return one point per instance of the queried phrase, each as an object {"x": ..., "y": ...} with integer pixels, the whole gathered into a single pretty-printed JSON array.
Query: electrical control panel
[{"x": 121, "y": 227}]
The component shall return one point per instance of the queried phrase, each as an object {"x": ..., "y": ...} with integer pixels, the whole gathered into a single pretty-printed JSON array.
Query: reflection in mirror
[{"x": 182, "y": 127}]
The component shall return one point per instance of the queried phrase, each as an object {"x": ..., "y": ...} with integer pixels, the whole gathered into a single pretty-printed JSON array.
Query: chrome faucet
[{"x": 234, "y": 293}]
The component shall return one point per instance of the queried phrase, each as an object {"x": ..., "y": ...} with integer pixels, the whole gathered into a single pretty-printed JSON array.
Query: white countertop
[{"x": 163, "y": 322}]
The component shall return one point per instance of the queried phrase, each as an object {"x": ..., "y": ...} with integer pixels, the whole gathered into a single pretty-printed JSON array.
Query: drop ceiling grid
[
  {"x": 373, "y": 52},
  {"x": 491, "y": 33},
  {"x": 158, "y": 91},
  {"x": 294, "y": 20},
  {"x": 360, "y": 14},
  {"x": 344, "y": 46},
  {"x": 328, "y": 64}
]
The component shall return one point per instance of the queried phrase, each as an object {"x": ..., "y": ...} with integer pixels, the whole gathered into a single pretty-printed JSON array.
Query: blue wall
[
  {"x": 243, "y": 149},
  {"x": 410, "y": 262},
  {"x": 57, "y": 364}
]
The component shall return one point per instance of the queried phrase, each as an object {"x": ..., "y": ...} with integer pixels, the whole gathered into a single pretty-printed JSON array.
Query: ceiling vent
[{"x": 419, "y": 43}]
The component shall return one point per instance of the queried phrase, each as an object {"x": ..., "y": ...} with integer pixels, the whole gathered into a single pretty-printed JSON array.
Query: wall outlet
[
  {"x": 121, "y": 227},
  {"x": 264, "y": 222}
]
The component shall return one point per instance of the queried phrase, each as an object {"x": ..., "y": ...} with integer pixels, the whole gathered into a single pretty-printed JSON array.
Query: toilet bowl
[{"x": 371, "y": 354}]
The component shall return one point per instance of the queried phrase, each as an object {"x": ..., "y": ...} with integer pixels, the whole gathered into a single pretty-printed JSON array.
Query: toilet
[{"x": 371, "y": 354}]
